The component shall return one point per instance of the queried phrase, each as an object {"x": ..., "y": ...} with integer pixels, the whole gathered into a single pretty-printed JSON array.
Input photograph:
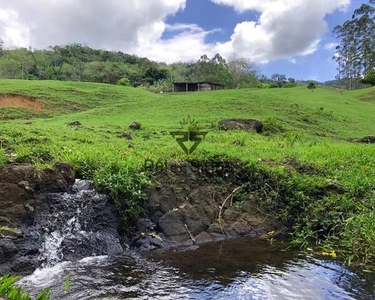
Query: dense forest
[
  {"x": 355, "y": 54},
  {"x": 76, "y": 62}
]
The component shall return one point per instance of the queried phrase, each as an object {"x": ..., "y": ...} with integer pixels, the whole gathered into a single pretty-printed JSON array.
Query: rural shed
[{"x": 196, "y": 86}]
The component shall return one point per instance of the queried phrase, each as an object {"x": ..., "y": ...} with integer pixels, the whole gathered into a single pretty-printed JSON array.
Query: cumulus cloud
[
  {"x": 284, "y": 29},
  {"x": 111, "y": 24}
]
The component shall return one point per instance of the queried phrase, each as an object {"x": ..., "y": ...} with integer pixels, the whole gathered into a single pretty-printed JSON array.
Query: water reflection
[{"x": 241, "y": 269}]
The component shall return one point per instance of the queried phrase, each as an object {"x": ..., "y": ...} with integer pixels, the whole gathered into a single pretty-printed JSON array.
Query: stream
[{"x": 238, "y": 269}]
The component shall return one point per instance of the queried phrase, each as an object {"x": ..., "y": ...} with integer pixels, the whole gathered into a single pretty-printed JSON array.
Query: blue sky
[
  {"x": 317, "y": 66},
  {"x": 281, "y": 36}
]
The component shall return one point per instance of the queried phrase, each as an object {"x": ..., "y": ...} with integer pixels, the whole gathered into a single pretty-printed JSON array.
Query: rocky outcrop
[
  {"x": 241, "y": 124},
  {"x": 47, "y": 216},
  {"x": 184, "y": 208},
  {"x": 21, "y": 186}
]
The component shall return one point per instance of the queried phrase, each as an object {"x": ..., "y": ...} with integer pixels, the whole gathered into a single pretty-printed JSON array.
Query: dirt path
[{"x": 20, "y": 101}]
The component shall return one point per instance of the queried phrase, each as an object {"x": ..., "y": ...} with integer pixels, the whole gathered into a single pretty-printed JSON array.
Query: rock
[
  {"x": 241, "y": 124},
  {"x": 22, "y": 190},
  {"x": 125, "y": 136},
  {"x": 75, "y": 123},
  {"x": 135, "y": 126},
  {"x": 183, "y": 206},
  {"x": 366, "y": 140},
  {"x": 10, "y": 234}
]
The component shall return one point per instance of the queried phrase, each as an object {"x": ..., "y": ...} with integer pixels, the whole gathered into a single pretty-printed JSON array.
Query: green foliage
[
  {"x": 67, "y": 284},
  {"x": 290, "y": 85},
  {"x": 126, "y": 186},
  {"x": 124, "y": 82},
  {"x": 369, "y": 78},
  {"x": 9, "y": 290},
  {"x": 356, "y": 50},
  {"x": 311, "y": 86},
  {"x": 273, "y": 85}
]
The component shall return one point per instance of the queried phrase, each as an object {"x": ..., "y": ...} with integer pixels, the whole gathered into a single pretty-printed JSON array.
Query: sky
[{"x": 293, "y": 37}]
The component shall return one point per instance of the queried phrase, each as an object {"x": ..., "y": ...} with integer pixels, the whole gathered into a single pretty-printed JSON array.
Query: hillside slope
[{"x": 305, "y": 147}]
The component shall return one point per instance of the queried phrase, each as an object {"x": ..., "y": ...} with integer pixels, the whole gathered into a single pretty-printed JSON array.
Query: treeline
[
  {"x": 355, "y": 54},
  {"x": 76, "y": 62}
]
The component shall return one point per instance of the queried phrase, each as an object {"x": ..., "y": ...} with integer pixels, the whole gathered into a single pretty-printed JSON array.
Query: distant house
[{"x": 196, "y": 86}]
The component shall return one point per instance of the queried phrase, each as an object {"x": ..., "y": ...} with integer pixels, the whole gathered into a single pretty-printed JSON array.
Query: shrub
[
  {"x": 124, "y": 82},
  {"x": 290, "y": 85},
  {"x": 273, "y": 85}
]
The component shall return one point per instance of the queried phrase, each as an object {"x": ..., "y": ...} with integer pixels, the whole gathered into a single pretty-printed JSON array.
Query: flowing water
[
  {"x": 238, "y": 269},
  {"x": 78, "y": 224}
]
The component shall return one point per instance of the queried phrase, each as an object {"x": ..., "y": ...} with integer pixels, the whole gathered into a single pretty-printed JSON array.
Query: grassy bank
[{"x": 320, "y": 184}]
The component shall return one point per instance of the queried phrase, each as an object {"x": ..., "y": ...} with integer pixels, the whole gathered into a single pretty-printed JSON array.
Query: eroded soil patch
[{"x": 20, "y": 101}]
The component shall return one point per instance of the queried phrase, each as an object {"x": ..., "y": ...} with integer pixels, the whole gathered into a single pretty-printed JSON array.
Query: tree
[
  {"x": 311, "y": 86},
  {"x": 355, "y": 54},
  {"x": 291, "y": 80},
  {"x": 279, "y": 79},
  {"x": 124, "y": 82},
  {"x": 241, "y": 69},
  {"x": 9, "y": 68},
  {"x": 1, "y": 47},
  {"x": 369, "y": 78},
  {"x": 154, "y": 74}
]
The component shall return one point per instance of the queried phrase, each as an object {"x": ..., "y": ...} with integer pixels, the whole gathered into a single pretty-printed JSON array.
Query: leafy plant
[{"x": 9, "y": 290}]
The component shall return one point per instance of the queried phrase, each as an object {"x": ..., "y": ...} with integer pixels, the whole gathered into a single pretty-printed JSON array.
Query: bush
[
  {"x": 124, "y": 82},
  {"x": 290, "y": 85},
  {"x": 273, "y": 85}
]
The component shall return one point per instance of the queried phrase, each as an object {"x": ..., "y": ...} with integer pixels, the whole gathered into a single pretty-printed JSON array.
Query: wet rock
[
  {"x": 54, "y": 217},
  {"x": 203, "y": 238},
  {"x": 184, "y": 206},
  {"x": 366, "y": 140},
  {"x": 241, "y": 124},
  {"x": 75, "y": 123},
  {"x": 21, "y": 186},
  {"x": 135, "y": 126}
]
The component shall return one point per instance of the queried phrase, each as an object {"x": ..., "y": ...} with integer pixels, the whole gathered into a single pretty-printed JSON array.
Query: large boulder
[{"x": 241, "y": 124}]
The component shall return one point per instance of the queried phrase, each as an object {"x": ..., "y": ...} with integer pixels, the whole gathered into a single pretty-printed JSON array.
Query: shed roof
[{"x": 199, "y": 82}]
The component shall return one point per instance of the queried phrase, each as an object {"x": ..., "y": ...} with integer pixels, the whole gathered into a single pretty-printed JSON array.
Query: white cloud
[
  {"x": 330, "y": 46},
  {"x": 187, "y": 45},
  {"x": 111, "y": 24},
  {"x": 284, "y": 29}
]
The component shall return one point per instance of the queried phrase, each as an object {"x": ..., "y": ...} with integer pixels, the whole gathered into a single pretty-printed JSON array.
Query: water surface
[{"x": 238, "y": 269}]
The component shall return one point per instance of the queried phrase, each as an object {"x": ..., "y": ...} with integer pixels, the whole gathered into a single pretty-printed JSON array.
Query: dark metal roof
[{"x": 199, "y": 82}]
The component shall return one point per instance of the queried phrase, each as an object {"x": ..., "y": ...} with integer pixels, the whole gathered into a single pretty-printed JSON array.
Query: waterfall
[{"x": 77, "y": 224}]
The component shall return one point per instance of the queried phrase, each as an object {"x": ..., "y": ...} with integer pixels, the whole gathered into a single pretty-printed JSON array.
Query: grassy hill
[{"x": 312, "y": 130}]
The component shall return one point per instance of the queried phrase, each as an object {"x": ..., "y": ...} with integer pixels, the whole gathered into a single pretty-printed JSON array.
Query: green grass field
[{"x": 313, "y": 129}]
